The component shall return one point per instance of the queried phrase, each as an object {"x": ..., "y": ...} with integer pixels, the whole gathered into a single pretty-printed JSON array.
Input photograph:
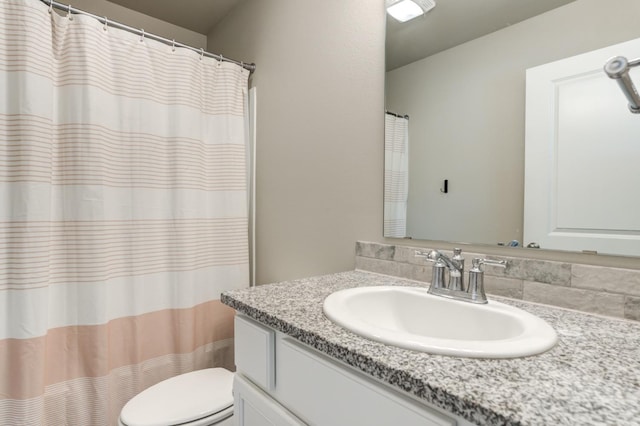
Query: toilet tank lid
[{"x": 181, "y": 399}]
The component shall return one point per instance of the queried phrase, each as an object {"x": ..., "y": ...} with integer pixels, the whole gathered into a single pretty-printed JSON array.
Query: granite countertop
[{"x": 591, "y": 377}]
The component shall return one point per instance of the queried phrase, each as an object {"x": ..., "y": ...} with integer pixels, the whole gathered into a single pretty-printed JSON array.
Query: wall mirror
[{"x": 459, "y": 73}]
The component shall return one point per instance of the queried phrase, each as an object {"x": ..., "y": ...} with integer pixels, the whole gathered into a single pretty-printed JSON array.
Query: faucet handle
[
  {"x": 492, "y": 262},
  {"x": 432, "y": 256},
  {"x": 437, "y": 273},
  {"x": 476, "y": 278},
  {"x": 421, "y": 253}
]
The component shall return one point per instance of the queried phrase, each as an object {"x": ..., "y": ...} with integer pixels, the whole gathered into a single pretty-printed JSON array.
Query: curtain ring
[
  {"x": 69, "y": 16},
  {"x": 201, "y": 53},
  {"x": 220, "y": 60},
  {"x": 50, "y": 6},
  {"x": 142, "y": 36},
  {"x": 173, "y": 45},
  {"x": 106, "y": 24}
]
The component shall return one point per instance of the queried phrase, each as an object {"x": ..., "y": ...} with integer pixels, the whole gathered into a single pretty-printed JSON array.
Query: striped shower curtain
[
  {"x": 123, "y": 214},
  {"x": 396, "y": 175}
]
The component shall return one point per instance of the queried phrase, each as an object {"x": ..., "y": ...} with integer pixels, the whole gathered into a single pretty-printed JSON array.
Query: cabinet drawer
[
  {"x": 252, "y": 407},
  {"x": 255, "y": 352},
  {"x": 330, "y": 394}
]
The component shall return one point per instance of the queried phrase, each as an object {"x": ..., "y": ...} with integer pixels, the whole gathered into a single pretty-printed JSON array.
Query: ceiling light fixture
[{"x": 405, "y": 10}]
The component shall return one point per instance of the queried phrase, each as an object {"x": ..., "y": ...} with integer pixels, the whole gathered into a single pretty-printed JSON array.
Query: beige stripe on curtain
[
  {"x": 123, "y": 214},
  {"x": 396, "y": 175}
]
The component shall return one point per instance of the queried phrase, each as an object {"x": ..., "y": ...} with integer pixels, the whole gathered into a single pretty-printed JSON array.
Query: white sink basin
[{"x": 410, "y": 318}]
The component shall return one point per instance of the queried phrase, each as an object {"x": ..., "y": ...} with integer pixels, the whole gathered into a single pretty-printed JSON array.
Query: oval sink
[{"x": 410, "y": 318}]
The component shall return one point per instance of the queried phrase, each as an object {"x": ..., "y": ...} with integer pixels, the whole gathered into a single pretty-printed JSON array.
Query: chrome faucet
[
  {"x": 455, "y": 288},
  {"x": 456, "y": 270}
]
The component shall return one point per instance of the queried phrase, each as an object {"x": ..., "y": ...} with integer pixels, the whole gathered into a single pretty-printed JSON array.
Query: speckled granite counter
[{"x": 591, "y": 377}]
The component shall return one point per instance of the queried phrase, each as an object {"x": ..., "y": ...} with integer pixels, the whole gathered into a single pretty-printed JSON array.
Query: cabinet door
[
  {"x": 254, "y": 352},
  {"x": 322, "y": 392},
  {"x": 252, "y": 407}
]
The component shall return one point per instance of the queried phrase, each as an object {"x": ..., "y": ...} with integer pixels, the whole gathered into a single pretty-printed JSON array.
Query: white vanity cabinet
[{"x": 280, "y": 381}]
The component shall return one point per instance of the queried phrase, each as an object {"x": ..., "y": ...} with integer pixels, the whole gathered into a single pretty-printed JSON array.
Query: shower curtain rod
[
  {"x": 618, "y": 69},
  {"x": 141, "y": 32},
  {"x": 397, "y": 115}
]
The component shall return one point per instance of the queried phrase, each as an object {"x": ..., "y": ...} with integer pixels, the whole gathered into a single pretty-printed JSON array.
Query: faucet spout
[{"x": 453, "y": 265}]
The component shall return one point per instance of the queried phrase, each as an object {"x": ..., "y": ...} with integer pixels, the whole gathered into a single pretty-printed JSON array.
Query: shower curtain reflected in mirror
[
  {"x": 396, "y": 175},
  {"x": 123, "y": 214}
]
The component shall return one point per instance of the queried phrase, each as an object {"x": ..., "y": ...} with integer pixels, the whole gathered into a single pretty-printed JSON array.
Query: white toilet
[{"x": 200, "y": 398}]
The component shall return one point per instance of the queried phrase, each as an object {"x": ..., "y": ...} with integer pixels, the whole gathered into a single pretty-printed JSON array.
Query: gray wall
[
  {"x": 467, "y": 117},
  {"x": 139, "y": 20},
  {"x": 320, "y": 82}
]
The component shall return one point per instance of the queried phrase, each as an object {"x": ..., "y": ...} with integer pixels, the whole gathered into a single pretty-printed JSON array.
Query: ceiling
[
  {"x": 450, "y": 23},
  {"x": 453, "y": 22}
]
